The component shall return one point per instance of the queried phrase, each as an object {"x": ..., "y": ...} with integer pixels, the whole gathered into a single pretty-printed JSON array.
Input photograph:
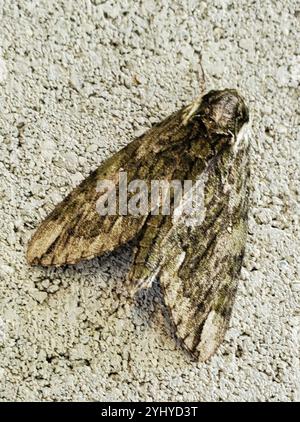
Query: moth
[{"x": 198, "y": 265}]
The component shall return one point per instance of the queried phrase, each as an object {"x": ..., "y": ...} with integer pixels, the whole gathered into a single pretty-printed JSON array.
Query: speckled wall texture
[{"x": 78, "y": 80}]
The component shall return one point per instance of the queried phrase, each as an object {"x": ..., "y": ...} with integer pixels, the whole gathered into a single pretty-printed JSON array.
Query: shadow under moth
[{"x": 198, "y": 264}]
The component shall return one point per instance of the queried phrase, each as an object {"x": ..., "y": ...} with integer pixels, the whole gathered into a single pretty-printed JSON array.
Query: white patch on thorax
[
  {"x": 242, "y": 136},
  {"x": 190, "y": 110}
]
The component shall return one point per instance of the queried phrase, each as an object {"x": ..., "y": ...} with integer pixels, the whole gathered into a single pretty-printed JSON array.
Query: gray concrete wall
[{"x": 78, "y": 80}]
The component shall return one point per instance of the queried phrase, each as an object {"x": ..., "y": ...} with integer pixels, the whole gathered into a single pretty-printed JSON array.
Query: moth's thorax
[{"x": 221, "y": 112}]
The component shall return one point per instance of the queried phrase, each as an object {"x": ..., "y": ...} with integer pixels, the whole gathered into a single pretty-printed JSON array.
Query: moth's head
[{"x": 223, "y": 112}]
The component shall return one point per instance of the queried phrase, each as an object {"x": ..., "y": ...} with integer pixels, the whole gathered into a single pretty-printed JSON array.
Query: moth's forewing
[
  {"x": 75, "y": 231},
  {"x": 198, "y": 266}
]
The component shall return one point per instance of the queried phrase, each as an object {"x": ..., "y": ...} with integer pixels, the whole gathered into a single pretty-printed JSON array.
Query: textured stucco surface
[{"x": 78, "y": 80}]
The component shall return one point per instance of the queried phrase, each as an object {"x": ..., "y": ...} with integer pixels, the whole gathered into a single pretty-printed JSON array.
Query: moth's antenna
[
  {"x": 201, "y": 75},
  {"x": 192, "y": 108}
]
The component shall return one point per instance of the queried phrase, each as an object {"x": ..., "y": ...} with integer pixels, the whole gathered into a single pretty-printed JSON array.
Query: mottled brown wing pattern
[
  {"x": 75, "y": 231},
  {"x": 198, "y": 266}
]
